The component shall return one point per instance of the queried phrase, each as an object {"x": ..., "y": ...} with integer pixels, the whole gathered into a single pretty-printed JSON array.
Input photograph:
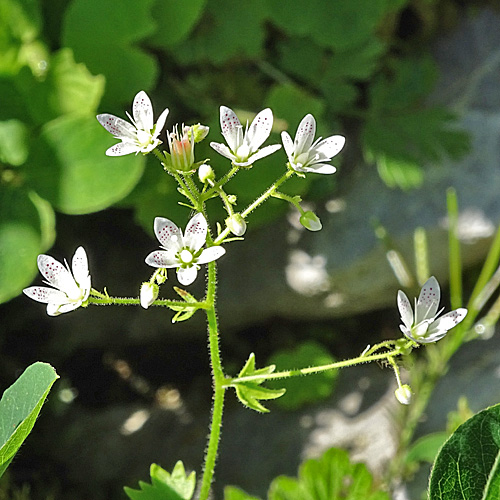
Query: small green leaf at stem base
[
  {"x": 251, "y": 392},
  {"x": 164, "y": 485}
]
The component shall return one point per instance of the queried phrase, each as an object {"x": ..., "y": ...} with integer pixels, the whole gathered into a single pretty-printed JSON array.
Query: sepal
[{"x": 251, "y": 392}]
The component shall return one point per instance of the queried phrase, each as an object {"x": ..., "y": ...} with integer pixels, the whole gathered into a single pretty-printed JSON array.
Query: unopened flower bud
[
  {"x": 310, "y": 221},
  {"x": 403, "y": 394},
  {"x": 199, "y": 132},
  {"x": 236, "y": 224},
  {"x": 149, "y": 293},
  {"x": 205, "y": 173},
  {"x": 232, "y": 199}
]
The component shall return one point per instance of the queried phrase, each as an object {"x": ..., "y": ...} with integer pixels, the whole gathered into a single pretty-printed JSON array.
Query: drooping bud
[
  {"x": 403, "y": 394},
  {"x": 149, "y": 293},
  {"x": 205, "y": 173},
  {"x": 198, "y": 132},
  {"x": 310, "y": 221},
  {"x": 236, "y": 224}
]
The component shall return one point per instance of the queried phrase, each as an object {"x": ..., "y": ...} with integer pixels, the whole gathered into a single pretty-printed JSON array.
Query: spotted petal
[
  {"x": 119, "y": 128},
  {"x": 123, "y": 148},
  {"x": 261, "y": 153},
  {"x": 223, "y": 150},
  {"x": 446, "y": 322},
  {"x": 196, "y": 232},
  {"x": 45, "y": 295},
  {"x": 405, "y": 310},
  {"x": 428, "y": 300},
  {"x": 287, "y": 144},
  {"x": 56, "y": 274},
  {"x": 305, "y": 134},
  {"x": 318, "y": 168},
  {"x": 331, "y": 146},
  {"x": 168, "y": 234},
  {"x": 162, "y": 258},
  {"x": 142, "y": 111},
  {"x": 230, "y": 127},
  {"x": 260, "y": 129},
  {"x": 80, "y": 266}
]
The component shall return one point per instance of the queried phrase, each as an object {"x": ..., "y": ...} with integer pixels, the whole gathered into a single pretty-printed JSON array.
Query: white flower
[
  {"x": 244, "y": 150},
  {"x": 183, "y": 252},
  {"x": 305, "y": 155},
  {"x": 425, "y": 326},
  {"x": 71, "y": 289},
  {"x": 139, "y": 137}
]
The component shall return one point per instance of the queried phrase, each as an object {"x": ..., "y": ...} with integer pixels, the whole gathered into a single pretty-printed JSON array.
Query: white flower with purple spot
[
  {"x": 71, "y": 288},
  {"x": 183, "y": 251},
  {"x": 243, "y": 149},
  {"x": 305, "y": 154},
  {"x": 425, "y": 326},
  {"x": 140, "y": 136}
]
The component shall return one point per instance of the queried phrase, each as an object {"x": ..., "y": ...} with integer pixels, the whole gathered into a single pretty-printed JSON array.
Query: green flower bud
[
  {"x": 199, "y": 132},
  {"x": 403, "y": 394},
  {"x": 149, "y": 293},
  {"x": 236, "y": 224},
  {"x": 310, "y": 221},
  {"x": 205, "y": 173}
]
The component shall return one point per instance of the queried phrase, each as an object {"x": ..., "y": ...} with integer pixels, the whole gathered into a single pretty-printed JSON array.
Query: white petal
[
  {"x": 318, "y": 168},
  {"x": 223, "y": 150},
  {"x": 53, "y": 309},
  {"x": 123, "y": 148},
  {"x": 64, "y": 308},
  {"x": 405, "y": 310},
  {"x": 260, "y": 129},
  {"x": 195, "y": 234},
  {"x": 230, "y": 127},
  {"x": 142, "y": 111},
  {"x": 210, "y": 254},
  {"x": 162, "y": 258},
  {"x": 305, "y": 134},
  {"x": 261, "y": 153},
  {"x": 161, "y": 122},
  {"x": 168, "y": 234},
  {"x": 116, "y": 126},
  {"x": 187, "y": 275},
  {"x": 80, "y": 266},
  {"x": 287, "y": 144},
  {"x": 45, "y": 295},
  {"x": 447, "y": 322},
  {"x": 331, "y": 146},
  {"x": 55, "y": 273},
  {"x": 428, "y": 300}
]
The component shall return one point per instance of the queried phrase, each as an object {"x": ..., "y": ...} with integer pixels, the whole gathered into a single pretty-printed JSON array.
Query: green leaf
[
  {"x": 68, "y": 166},
  {"x": 216, "y": 39},
  {"x": 165, "y": 486},
  {"x": 184, "y": 312},
  {"x": 173, "y": 23},
  {"x": 19, "y": 408},
  {"x": 27, "y": 228},
  {"x": 426, "y": 448},
  {"x": 303, "y": 390},
  {"x": 96, "y": 27},
  {"x": 468, "y": 465},
  {"x": 331, "y": 477},
  {"x": 251, "y": 392},
  {"x": 233, "y": 493},
  {"x": 399, "y": 173},
  {"x": 13, "y": 142}
]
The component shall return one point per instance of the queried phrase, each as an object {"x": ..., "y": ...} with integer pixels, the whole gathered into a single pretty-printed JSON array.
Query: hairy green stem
[
  {"x": 218, "y": 379},
  {"x": 107, "y": 301}
]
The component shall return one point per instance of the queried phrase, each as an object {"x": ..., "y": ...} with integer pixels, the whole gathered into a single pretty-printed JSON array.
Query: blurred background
[{"x": 412, "y": 84}]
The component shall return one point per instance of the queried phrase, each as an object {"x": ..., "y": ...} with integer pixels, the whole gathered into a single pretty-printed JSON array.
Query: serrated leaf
[
  {"x": 68, "y": 166},
  {"x": 96, "y": 27},
  {"x": 303, "y": 390},
  {"x": 468, "y": 465},
  {"x": 331, "y": 477},
  {"x": 19, "y": 408},
  {"x": 173, "y": 23},
  {"x": 165, "y": 486}
]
